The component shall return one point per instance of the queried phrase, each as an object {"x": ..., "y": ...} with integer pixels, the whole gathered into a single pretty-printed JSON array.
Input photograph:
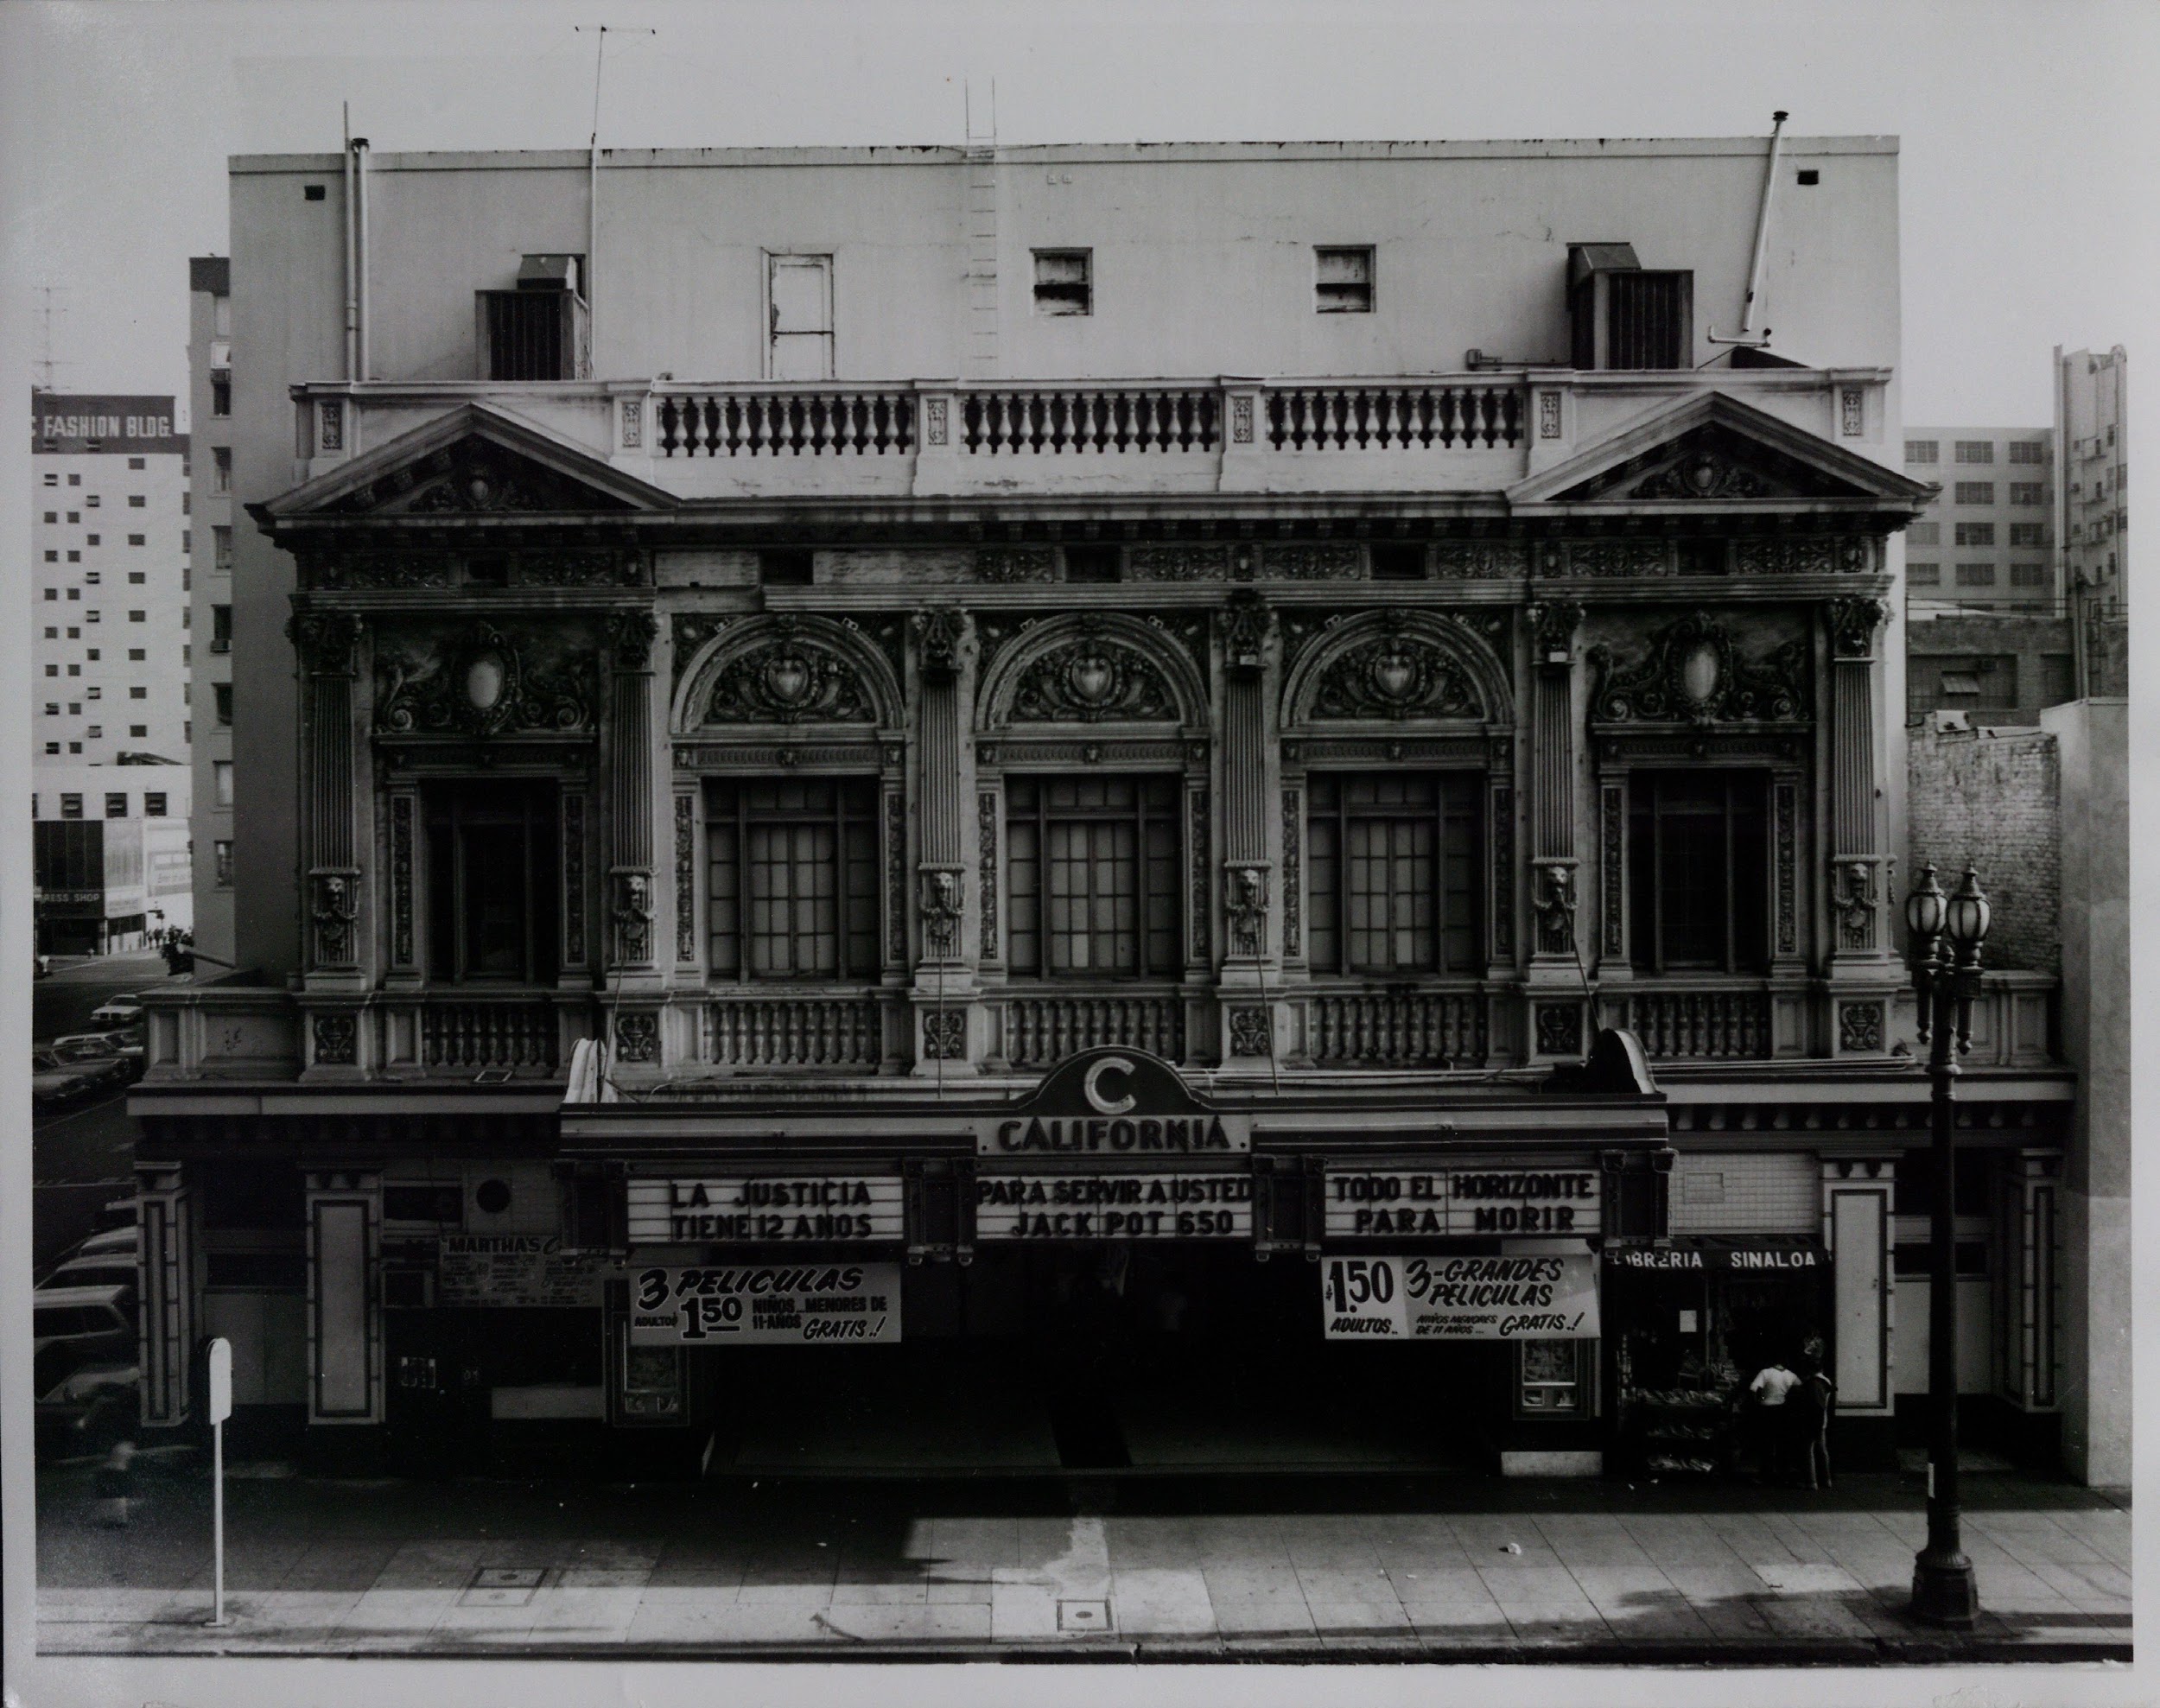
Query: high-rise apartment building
[
  {"x": 1987, "y": 543},
  {"x": 2091, "y": 415},
  {"x": 110, "y": 538},
  {"x": 209, "y": 382}
]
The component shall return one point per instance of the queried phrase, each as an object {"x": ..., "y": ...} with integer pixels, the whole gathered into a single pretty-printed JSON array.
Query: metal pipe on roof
[
  {"x": 352, "y": 283},
  {"x": 359, "y": 340},
  {"x": 1763, "y": 226}
]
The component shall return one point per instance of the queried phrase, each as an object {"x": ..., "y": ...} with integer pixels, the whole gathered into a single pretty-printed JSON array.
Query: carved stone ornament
[
  {"x": 335, "y": 906},
  {"x": 792, "y": 678},
  {"x": 1252, "y": 1032},
  {"x": 1006, "y": 564},
  {"x": 1823, "y": 555},
  {"x": 1092, "y": 678},
  {"x": 1852, "y": 624},
  {"x": 1859, "y": 1027},
  {"x": 1553, "y": 625},
  {"x": 1245, "y": 908},
  {"x": 633, "y": 913},
  {"x": 941, "y": 906},
  {"x": 688, "y": 630},
  {"x": 1555, "y": 906},
  {"x": 1339, "y": 562},
  {"x": 578, "y": 568},
  {"x": 1177, "y": 563},
  {"x": 1692, "y": 674},
  {"x": 1645, "y": 560},
  {"x": 1703, "y": 474},
  {"x": 1560, "y": 1029},
  {"x": 337, "y": 1040},
  {"x": 941, "y": 634},
  {"x": 630, "y": 638},
  {"x": 1854, "y": 895},
  {"x": 480, "y": 685},
  {"x": 1397, "y": 673},
  {"x": 381, "y": 570},
  {"x": 326, "y": 641},
  {"x": 944, "y": 1034},
  {"x": 637, "y": 1036},
  {"x": 1479, "y": 560},
  {"x": 1244, "y": 633}
]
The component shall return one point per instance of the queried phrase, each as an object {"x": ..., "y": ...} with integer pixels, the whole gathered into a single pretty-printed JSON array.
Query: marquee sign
[
  {"x": 1464, "y": 1199},
  {"x": 817, "y": 1303},
  {"x": 1113, "y": 1104},
  {"x": 736, "y": 1208},
  {"x": 1114, "y": 1206},
  {"x": 1442, "y": 1298}
]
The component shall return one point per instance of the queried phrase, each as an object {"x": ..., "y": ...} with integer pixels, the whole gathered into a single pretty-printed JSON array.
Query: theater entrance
[{"x": 1130, "y": 1359}]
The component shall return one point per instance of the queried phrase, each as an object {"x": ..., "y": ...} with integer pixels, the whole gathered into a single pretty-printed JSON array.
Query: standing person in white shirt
[{"x": 1771, "y": 1388}]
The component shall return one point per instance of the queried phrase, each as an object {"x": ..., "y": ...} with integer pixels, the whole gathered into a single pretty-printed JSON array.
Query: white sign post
[{"x": 221, "y": 1409}]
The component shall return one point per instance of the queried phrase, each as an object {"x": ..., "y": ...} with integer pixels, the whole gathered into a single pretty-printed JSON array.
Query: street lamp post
[{"x": 1945, "y": 934}]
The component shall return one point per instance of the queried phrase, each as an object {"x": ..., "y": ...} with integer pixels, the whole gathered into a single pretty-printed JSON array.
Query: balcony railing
[
  {"x": 1041, "y": 1029},
  {"x": 765, "y": 1031},
  {"x": 514, "y": 1033},
  {"x": 1396, "y": 1028},
  {"x": 1733, "y": 1024},
  {"x": 944, "y": 438}
]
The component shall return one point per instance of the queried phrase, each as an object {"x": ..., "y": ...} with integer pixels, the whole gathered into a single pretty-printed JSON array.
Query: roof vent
[{"x": 548, "y": 272}]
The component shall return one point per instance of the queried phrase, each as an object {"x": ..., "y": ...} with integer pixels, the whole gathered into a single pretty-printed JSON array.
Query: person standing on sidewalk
[
  {"x": 1769, "y": 1391},
  {"x": 114, "y": 1486}
]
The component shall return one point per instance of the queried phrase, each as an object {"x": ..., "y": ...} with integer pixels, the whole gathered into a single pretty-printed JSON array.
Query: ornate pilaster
[
  {"x": 328, "y": 645},
  {"x": 1552, "y": 625},
  {"x": 1252, "y": 950},
  {"x": 1859, "y": 871},
  {"x": 630, "y": 888},
  {"x": 946, "y": 968}
]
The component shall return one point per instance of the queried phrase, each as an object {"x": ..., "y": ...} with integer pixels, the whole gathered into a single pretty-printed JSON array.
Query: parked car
[
  {"x": 76, "y": 1326},
  {"x": 94, "y": 1269},
  {"x": 123, "y": 1045},
  {"x": 117, "y": 1011},
  {"x": 88, "y": 1409},
  {"x": 55, "y": 1083},
  {"x": 123, "y": 1241}
]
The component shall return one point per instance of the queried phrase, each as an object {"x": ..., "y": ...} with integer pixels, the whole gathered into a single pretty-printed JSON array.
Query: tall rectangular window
[
  {"x": 793, "y": 889},
  {"x": 220, "y": 393},
  {"x": 221, "y": 699},
  {"x": 221, "y": 469},
  {"x": 222, "y": 628},
  {"x": 221, "y": 550},
  {"x": 1392, "y": 873},
  {"x": 222, "y": 855},
  {"x": 799, "y": 301},
  {"x": 491, "y": 880},
  {"x": 221, "y": 783},
  {"x": 1092, "y": 877},
  {"x": 1698, "y": 869}
]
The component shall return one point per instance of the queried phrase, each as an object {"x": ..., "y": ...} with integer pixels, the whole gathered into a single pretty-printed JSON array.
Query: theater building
[{"x": 1171, "y": 807}]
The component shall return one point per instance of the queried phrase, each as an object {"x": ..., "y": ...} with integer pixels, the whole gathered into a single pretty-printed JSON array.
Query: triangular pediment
[
  {"x": 1715, "y": 450},
  {"x": 473, "y": 461}
]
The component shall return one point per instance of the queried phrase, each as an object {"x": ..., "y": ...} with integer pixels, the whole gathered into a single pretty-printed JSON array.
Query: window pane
[
  {"x": 1322, "y": 897},
  {"x": 494, "y": 858},
  {"x": 1022, "y": 914}
]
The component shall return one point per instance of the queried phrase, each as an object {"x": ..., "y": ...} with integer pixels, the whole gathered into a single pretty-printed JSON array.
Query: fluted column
[{"x": 1557, "y": 1016}]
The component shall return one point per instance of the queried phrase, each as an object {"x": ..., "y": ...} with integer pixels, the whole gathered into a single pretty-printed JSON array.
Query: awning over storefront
[{"x": 1723, "y": 1253}]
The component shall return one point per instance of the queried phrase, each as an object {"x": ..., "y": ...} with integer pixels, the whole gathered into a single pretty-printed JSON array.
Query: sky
[{"x": 2026, "y": 219}]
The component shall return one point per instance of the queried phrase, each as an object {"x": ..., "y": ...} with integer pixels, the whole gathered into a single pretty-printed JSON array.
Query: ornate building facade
[{"x": 1046, "y": 833}]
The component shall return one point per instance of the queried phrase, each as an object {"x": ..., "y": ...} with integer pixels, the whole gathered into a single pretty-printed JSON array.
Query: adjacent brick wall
[
  {"x": 1747, "y": 1192},
  {"x": 1993, "y": 798}
]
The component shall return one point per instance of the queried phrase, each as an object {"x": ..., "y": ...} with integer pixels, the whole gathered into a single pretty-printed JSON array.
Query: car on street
[
  {"x": 88, "y": 1409},
  {"x": 94, "y": 1269},
  {"x": 117, "y": 1011},
  {"x": 55, "y": 1083},
  {"x": 123, "y": 1242},
  {"x": 123, "y": 1045},
  {"x": 73, "y": 1327}
]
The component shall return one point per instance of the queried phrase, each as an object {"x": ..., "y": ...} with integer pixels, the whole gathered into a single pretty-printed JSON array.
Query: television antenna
[
  {"x": 47, "y": 365},
  {"x": 600, "y": 32}
]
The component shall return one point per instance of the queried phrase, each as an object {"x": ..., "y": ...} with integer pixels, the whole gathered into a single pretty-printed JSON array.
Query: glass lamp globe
[
  {"x": 1925, "y": 905},
  {"x": 1968, "y": 914}
]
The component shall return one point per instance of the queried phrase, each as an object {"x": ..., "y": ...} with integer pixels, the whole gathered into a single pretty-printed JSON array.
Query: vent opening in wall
[
  {"x": 314, "y": 192},
  {"x": 1092, "y": 563},
  {"x": 786, "y": 569},
  {"x": 491, "y": 1196},
  {"x": 1810, "y": 175}
]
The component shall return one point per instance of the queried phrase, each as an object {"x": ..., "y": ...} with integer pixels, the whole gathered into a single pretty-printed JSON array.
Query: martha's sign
[{"x": 1113, "y": 1104}]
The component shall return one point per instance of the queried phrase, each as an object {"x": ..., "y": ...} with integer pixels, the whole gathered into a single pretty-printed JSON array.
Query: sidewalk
[{"x": 1545, "y": 1572}]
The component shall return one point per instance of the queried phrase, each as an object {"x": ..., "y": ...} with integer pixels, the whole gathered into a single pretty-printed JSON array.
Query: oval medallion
[
  {"x": 484, "y": 681},
  {"x": 1698, "y": 672}
]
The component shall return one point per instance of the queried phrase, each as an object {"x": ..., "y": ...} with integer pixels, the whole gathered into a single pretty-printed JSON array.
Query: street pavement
[{"x": 1475, "y": 1569}]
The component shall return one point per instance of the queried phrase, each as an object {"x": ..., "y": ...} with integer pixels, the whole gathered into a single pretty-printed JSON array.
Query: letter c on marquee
[{"x": 1096, "y": 1099}]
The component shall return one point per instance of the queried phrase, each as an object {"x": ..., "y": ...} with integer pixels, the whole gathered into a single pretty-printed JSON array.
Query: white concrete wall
[{"x": 2092, "y": 740}]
